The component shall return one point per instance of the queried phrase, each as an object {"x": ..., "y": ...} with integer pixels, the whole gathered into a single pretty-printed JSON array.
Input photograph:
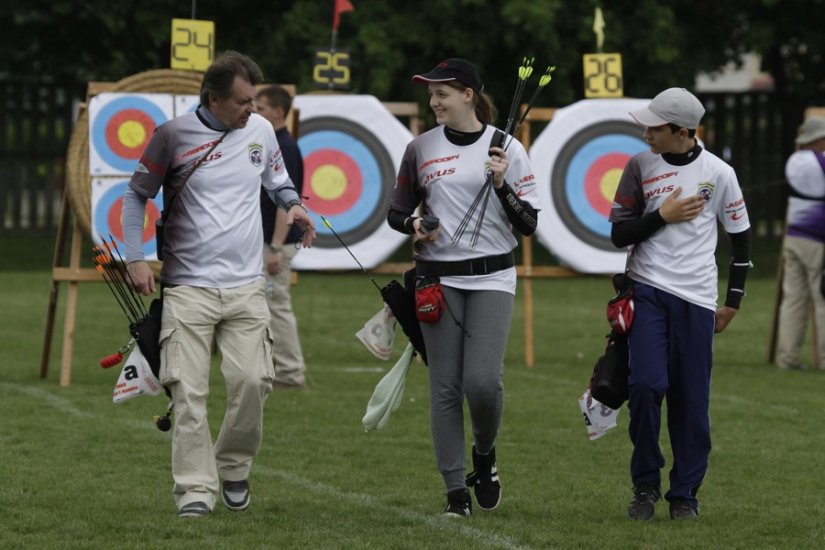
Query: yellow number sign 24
[{"x": 193, "y": 44}]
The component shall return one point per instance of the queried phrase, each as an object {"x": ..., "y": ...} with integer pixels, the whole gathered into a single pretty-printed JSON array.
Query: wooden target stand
[
  {"x": 526, "y": 270},
  {"x": 76, "y": 208},
  {"x": 72, "y": 274}
]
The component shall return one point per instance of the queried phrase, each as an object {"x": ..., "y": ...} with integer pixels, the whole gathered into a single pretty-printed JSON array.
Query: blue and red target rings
[
  {"x": 78, "y": 178},
  {"x": 578, "y": 161},
  {"x": 352, "y": 148}
]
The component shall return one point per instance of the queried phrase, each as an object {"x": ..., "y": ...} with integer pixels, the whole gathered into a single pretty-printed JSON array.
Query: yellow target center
[
  {"x": 131, "y": 133},
  {"x": 328, "y": 182},
  {"x": 610, "y": 182}
]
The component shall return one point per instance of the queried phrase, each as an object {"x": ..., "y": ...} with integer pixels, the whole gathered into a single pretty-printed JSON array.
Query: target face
[
  {"x": 352, "y": 148},
  {"x": 120, "y": 126},
  {"x": 107, "y": 215},
  {"x": 586, "y": 174},
  {"x": 186, "y": 104},
  {"x": 345, "y": 170},
  {"x": 578, "y": 160}
]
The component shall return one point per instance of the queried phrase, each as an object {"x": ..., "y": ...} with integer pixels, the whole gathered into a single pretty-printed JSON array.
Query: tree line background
[
  {"x": 663, "y": 43},
  {"x": 51, "y": 49}
]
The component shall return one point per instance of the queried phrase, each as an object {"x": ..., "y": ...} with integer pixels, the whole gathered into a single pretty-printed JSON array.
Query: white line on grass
[
  {"x": 362, "y": 369},
  {"x": 59, "y": 403},
  {"x": 483, "y": 538}
]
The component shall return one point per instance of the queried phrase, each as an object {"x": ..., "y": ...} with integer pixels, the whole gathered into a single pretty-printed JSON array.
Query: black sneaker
[
  {"x": 194, "y": 510},
  {"x": 642, "y": 507},
  {"x": 681, "y": 509},
  {"x": 458, "y": 504},
  {"x": 236, "y": 494},
  {"x": 484, "y": 480}
]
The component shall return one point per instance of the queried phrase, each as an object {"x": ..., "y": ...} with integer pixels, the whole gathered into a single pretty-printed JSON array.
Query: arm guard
[
  {"x": 286, "y": 196},
  {"x": 739, "y": 264},
  {"x": 401, "y": 222},
  {"x": 520, "y": 213}
]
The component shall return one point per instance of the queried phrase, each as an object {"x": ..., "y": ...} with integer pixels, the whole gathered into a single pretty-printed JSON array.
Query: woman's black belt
[{"x": 475, "y": 266}]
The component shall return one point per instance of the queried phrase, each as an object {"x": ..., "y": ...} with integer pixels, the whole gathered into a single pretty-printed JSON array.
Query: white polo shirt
[
  {"x": 447, "y": 178},
  {"x": 680, "y": 257},
  {"x": 213, "y": 233}
]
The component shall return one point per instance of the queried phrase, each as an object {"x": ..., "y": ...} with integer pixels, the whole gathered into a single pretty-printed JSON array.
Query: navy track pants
[{"x": 671, "y": 350}]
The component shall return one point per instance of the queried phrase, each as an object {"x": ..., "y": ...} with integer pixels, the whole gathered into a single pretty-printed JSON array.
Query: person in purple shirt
[{"x": 802, "y": 248}]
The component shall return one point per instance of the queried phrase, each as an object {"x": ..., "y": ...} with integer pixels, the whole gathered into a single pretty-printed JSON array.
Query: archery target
[
  {"x": 352, "y": 148},
  {"x": 107, "y": 215},
  {"x": 186, "y": 104},
  {"x": 120, "y": 126},
  {"x": 578, "y": 161}
]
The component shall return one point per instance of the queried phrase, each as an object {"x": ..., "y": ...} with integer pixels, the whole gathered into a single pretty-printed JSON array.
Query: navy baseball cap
[{"x": 453, "y": 69}]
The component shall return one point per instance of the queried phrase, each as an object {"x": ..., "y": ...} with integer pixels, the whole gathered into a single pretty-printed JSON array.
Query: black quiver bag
[
  {"x": 146, "y": 333},
  {"x": 401, "y": 300},
  {"x": 608, "y": 384}
]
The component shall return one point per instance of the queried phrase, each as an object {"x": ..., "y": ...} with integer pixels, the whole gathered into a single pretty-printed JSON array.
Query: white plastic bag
[
  {"x": 598, "y": 417},
  {"x": 136, "y": 378},
  {"x": 378, "y": 333}
]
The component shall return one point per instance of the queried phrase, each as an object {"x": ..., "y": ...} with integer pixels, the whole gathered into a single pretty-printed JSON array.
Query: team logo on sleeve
[
  {"x": 706, "y": 189},
  {"x": 525, "y": 185},
  {"x": 736, "y": 209},
  {"x": 256, "y": 154}
]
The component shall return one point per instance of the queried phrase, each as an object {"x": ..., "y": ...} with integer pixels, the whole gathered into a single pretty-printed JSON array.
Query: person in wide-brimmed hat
[{"x": 803, "y": 246}]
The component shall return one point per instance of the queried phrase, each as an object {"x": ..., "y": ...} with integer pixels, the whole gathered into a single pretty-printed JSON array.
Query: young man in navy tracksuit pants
[{"x": 667, "y": 206}]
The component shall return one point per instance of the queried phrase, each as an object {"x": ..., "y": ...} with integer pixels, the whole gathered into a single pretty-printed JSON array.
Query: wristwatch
[
  {"x": 274, "y": 248},
  {"x": 294, "y": 202}
]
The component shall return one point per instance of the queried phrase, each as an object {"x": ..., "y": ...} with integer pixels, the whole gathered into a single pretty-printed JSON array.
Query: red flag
[{"x": 340, "y": 7}]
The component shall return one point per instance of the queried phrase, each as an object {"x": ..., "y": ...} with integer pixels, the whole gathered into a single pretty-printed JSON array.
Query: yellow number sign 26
[
  {"x": 603, "y": 75},
  {"x": 193, "y": 44}
]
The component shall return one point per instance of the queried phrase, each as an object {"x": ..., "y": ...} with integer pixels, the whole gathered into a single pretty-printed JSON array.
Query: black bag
[
  {"x": 146, "y": 333},
  {"x": 401, "y": 300},
  {"x": 608, "y": 384}
]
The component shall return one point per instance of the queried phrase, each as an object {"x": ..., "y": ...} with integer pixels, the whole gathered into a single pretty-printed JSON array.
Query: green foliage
[
  {"x": 662, "y": 43},
  {"x": 81, "y": 472}
]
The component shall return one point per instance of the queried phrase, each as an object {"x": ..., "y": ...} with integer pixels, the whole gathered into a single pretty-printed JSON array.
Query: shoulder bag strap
[{"x": 166, "y": 211}]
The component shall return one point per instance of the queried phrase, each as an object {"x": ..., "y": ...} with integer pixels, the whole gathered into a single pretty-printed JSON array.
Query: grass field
[{"x": 80, "y": 472}]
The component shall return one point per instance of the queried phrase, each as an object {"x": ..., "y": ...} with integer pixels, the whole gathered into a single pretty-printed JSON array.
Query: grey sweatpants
[{"x": 462, "y": 365}]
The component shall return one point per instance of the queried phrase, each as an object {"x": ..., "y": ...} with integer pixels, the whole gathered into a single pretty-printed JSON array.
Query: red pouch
[
  {"x": 620, "y": 307},
  {"x": 429, "y": 299}
]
